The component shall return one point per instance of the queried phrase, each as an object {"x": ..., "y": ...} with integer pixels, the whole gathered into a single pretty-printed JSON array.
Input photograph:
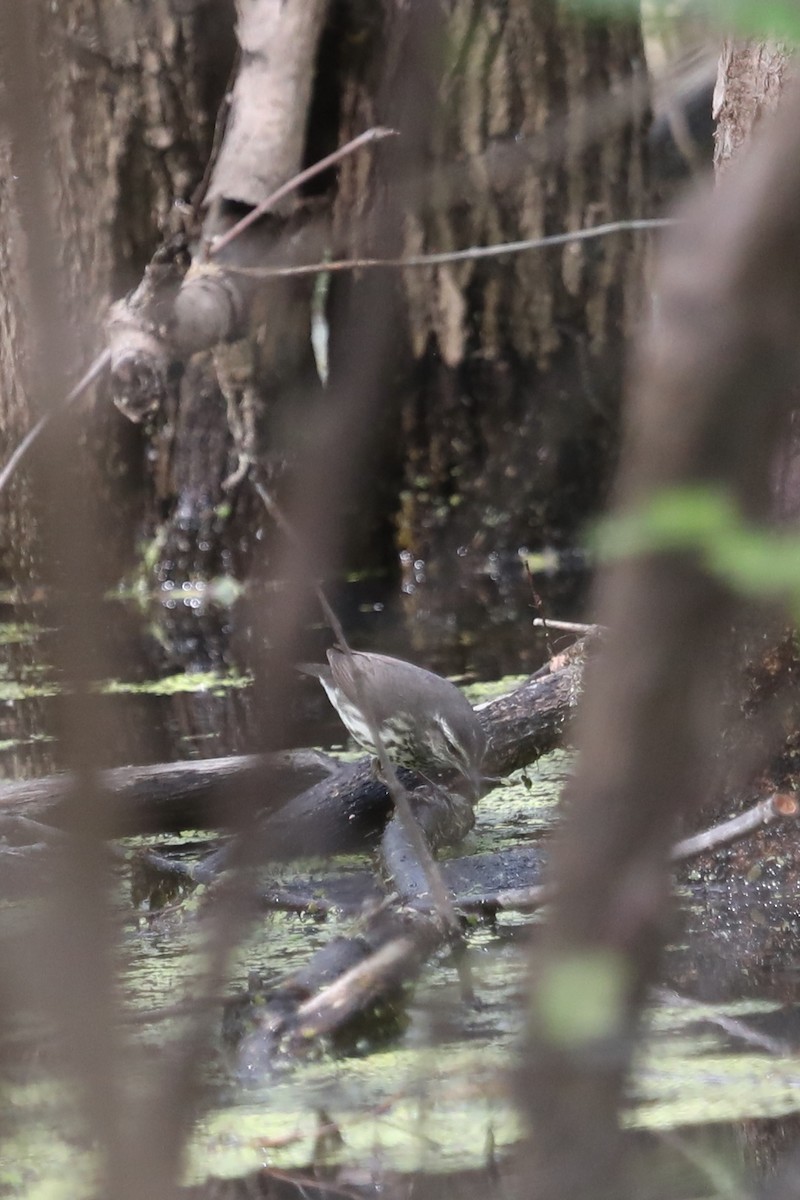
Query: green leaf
[
  {"x": 757, "y": 562},
  {"x": 753, "y": 561},
  {"x": 687, "y": 518},
  {"x": 758, "y": 18}
]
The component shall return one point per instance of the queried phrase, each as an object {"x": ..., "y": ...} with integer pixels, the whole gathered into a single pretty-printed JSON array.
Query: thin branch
[
  {"x": 508, "y": 900},
  {"x": 323, "y": 1010},
  {"x": 566, "y": 626},
  {"x": 730, "y": 1025},
  {"x": 30, "y": 437},
  {"x": 779, "y": 804},
  {"x": 725, "y": 1183},
  {"x": 540, "y": 621},
  {"x": 355, "y": 264},
  {"x": 474, "y": 252},
  {"x": 377, "y": 133}
]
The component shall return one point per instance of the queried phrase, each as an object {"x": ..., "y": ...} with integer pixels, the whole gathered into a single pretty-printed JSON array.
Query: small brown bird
[{"x": 425, "y": 723}]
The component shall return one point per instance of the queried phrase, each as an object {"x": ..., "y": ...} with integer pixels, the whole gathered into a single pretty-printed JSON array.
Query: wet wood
[
  {"x": 169, "y": 796},
  {"x": 349, "y": 976}
]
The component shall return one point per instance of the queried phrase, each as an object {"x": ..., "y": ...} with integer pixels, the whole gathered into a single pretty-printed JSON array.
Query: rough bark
[
  {"x": 509, "y": 410},
  {"x": 494, "y": 359},
  {"x": 750, "y": 81},
  {"x": 131, "y": 95}
]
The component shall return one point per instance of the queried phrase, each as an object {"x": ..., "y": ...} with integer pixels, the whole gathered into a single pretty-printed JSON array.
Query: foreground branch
[{"x": 713, "y": 384}]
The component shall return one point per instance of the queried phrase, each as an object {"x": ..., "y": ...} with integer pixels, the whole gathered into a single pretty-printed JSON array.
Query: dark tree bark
[
  {"x": 506, "y": 374},
  {"x": 508, "y": 402},
  {"x": 132, "y": 93},
  {"x": 511, "y": 422}
]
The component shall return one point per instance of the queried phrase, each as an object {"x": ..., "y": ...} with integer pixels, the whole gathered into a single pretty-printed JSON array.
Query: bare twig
[
  {"x": 377, "y": 133},
  {"x": 529, "y": 899},
  {"x": 779, "y": 804},
  {"x": 473, "y": 252},
  {"x": 93, "y": 372},
  {"x": 566, "y": 626},
  {"x": 347, "y": 993},
  {"x": 730, "y": 1025},
  {"x": 541, "y": 621},
  {"x": 509, "y": 900}
]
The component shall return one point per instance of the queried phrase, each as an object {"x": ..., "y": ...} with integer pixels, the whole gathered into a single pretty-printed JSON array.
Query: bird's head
[{"x": 458, "y": 743}]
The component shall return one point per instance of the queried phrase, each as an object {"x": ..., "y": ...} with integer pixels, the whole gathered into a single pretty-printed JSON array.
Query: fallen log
[
  {"x": 347, "y": 811},
  {"x": 349, "y": 976},
  {"x": 354, "y": 976},
  {"x": 169, "y": 797},
  {"x": 332, "y": 807}
]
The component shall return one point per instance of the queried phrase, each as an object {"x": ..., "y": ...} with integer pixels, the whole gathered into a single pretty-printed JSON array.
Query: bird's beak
[{"x": 475, "y": 781}]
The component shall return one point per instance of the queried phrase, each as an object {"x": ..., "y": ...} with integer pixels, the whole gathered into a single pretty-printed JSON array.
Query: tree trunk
[
  {"x": 131, "y": 94},
  {"x": 505, "y": 382},
  {"x": 509, "y": 404},
  {"x": 750, "y": 81}
]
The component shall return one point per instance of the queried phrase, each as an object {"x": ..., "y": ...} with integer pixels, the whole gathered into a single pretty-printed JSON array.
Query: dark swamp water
[{"x": 717, "y": 1085}]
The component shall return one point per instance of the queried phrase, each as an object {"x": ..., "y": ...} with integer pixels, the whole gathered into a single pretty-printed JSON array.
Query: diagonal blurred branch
[
  {"x": 324, "y": 482},
  {"x": 92, "y": 373},
  {"x": 712, "y": 385},
  {"x": 297, "y": 181},
  {"x": 65, "y": 968}
]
